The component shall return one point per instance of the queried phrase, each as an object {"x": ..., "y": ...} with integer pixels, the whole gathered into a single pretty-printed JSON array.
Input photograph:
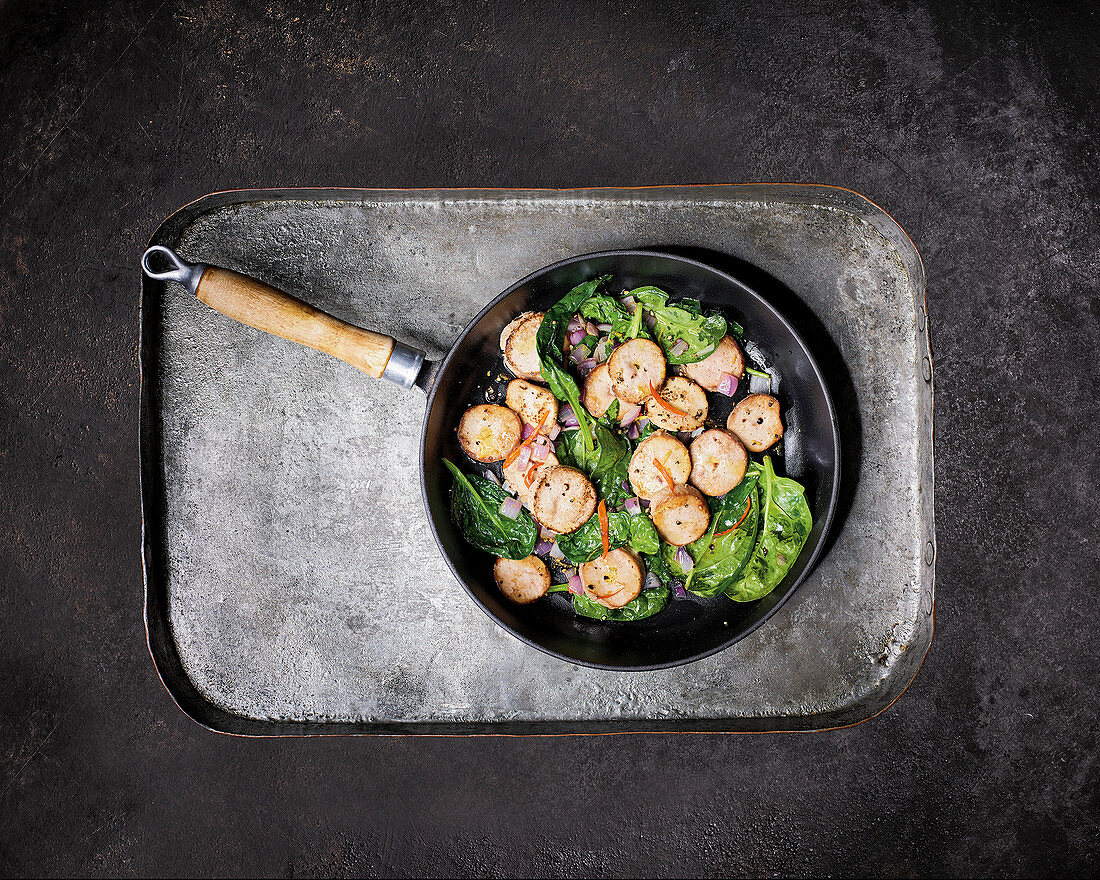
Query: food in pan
[{"x": 617, "y": 471}]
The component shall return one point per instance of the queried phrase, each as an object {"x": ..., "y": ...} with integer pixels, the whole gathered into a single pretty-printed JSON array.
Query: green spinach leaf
[
  {"x": 611, "y": 470},
  {"x": 475, "y": 509},
  {"x": 607, "y": 310},
  {"x": 648, "y": 603},
  {"x": 549, "y": 342},
  {"x": 605, "y": 460},
  {"x": 658, "y": 565},
  {"x": 623, "y": 529},
  {"x": 784, "y": 529},
  {"x": 643, "y": 536},
  {"x": 681, "y": 321},
  {"x": 719, "y": 558}
]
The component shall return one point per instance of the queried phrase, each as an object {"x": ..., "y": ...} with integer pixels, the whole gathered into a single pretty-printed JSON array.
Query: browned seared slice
[
  {"x": 534, "y": 403},
  {"x": 646, "y": 478},
  {"x": 563, "y": 499},
  {"x": 512, "y": 325},
  {"x": 520, "y": 351},
  {"x": 613, "y": 581},
  {"x": 598, "y": 393},
  {"x": 680, "y": 394},
  {"x": 489, "y": 432},
  {"x": 523, "y": 480},
  {"x": 755, "y": 420},
  {"x": 718, "y": 461},
  {"x": 522, "y": 580},
  {"x": 635, "y": 366},
  {"x": 726, "y": 358},
  {"x": 680, "y": 516}
]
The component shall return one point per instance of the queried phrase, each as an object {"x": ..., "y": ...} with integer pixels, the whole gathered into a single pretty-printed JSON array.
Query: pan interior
[{"x": 686, "y": 630}]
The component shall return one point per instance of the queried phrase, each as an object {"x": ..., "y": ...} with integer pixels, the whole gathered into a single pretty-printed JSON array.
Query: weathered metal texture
[{"x": 292, "y": 583}]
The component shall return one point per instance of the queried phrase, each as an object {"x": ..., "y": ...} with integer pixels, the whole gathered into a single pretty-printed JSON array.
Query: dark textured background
[{"x": 976, "y": 128}]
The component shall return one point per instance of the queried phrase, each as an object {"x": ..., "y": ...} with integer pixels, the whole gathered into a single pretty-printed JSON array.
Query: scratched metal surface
[{"x": 292, "y": 582}]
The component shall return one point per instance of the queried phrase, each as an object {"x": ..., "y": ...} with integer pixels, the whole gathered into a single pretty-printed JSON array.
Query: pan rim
[{"x": 834, "y": 489}]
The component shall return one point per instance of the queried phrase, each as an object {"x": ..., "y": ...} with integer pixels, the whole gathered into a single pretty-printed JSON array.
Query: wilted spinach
[
  {"x": 720, "y": 560},
  {"x": 623, "y": 529},
  {"x": 643, "y": 536},
  {"x": 611, "y": 416},
  {"x": 549, "y": 342},
  {"x": 648, "y": 603},
  {"x": 784, "y": 529},
  {"x": 607, "y": 310},
  {"x": 605, "y": 461},
  {"x": 683, "y": 320},
  {"x": 657, "y": 565},
  {"x": 475, "y": 509}
]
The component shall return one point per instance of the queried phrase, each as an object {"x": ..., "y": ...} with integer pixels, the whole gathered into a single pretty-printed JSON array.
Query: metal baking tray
[{"x": 292, "y": 585}]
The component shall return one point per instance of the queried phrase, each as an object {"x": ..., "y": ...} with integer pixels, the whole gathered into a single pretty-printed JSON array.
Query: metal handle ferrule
[{"x": 187, "y": 274}]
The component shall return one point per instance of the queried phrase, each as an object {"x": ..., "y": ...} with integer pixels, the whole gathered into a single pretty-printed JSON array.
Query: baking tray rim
[{"x": 162, "y": 647}]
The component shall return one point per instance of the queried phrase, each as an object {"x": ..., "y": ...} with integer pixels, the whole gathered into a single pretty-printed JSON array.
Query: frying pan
[{"x": 687, "y": 629}]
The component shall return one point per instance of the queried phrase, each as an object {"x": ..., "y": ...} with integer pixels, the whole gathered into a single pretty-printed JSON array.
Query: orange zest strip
[
  {"x": 529, "y": 477},
  {"x": 665, "y": 475},
  {"x": 676, "y": 411},
  {"x": 604, "y": 528},
  {"x": 514, "y": 454},
  {"x": 748, "y": 504}
]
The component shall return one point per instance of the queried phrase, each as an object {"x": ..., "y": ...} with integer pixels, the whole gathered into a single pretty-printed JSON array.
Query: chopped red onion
[
  {"x": 643, "y": 423},
  {"x": 629, "y": 302},
  {"x": 652, "y": 582},
  {"x": 760, "y": 384},
  {"x": 542, "y": 548},
  {"x": 554, "y": 431},
  {"x": 540, "y": 452},
  {"x": 684, "y": 560},
  {"x": 579, "y": 353},
  {"x": 575, "y": 323},
  {"x": 644, "y": 503},
  {"x": 575, "y": 336},
  {"x": 727, "y": 385},
  {"x": 604, "y": 328},
  {"x": 555, "y": 551},
  {"x": 491, "y": 477},
  {"x": 567, "y": 417},
  {"x": 507, "y": 487},
  {"x": 592, "y": 329},
  {"x": 678, "y": 590},
  {"x": 576, "y": 586},
  {"x": 510, "y": 507},
  {"x": 524, "y": 458},
  {"x": 634, "y": 432},
  {"x": 587, "y": 365},
  {"x": 528, "y": 430},
  {"x": 632, "y": 506},
  {"x": 600, "y": 353},
  {"x": 630, "y": 414},
  {"x": 679, "y": 347},
  {"x": 649, "y": 319}
]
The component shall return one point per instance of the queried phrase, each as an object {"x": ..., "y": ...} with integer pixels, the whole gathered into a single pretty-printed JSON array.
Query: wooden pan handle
[{"x": 261, "y": 306}]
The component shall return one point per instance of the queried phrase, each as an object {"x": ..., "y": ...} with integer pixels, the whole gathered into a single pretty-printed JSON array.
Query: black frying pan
[{"x": 687, "y": 629}]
